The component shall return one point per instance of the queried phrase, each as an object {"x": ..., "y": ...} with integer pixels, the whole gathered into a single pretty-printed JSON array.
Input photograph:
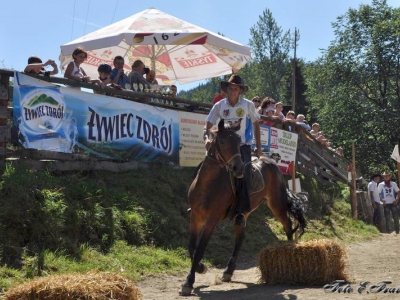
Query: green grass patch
[{"x": 133, "y": 223}]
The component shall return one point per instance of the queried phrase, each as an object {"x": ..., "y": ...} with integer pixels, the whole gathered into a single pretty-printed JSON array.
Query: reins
[{"x": 219, "y": 158}]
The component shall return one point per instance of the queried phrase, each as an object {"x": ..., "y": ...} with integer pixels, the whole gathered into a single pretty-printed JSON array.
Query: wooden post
[
  {"x": 398, "y": 164},
  {"x": 353, "y": 188},
  {"x": 296, "y": 234},
  {"x": 294, "y": 72}
]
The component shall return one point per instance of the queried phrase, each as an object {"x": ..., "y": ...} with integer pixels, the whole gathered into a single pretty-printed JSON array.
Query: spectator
[
  {"x": 174, "y": 90},
  {"x": 389, "y": 196},
  {"x": 290, "y": 118},
  {"x": 339, "y": 150},
  {"x": 322, "y": 138},
  {"x": 35, "y": 66},
  {"x": 151, "y": 77},
  {"x": 257, "y": 102},
  {"x": 375, "y": 200},
  {"x": 219, "y": 97},
  {"x": 314, "y": 130},
  {"x": 267, "y": 102},
  {"x": 105, "y": 78},
  {"x": 290, "y": 115},
  {"x": 278, "y": 111},
  {"x": 300, "y": 120},
  {"x": 136, "y": 76},
  {"x": 118, "y": 75},
  {"x": 269, "y": 112},
  {"x": 74, "y": 70}
]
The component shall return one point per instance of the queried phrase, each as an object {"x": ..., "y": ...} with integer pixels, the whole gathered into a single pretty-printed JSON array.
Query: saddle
[
  {"x": 253, "y": 175},
  {"x": 253, "y": 178}
]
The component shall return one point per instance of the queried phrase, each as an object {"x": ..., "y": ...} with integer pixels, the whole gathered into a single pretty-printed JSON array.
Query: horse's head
[{"x": 227, "y": 146}]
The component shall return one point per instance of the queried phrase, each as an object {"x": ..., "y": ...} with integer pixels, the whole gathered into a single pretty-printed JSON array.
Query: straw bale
[
  {"x": 88, "y": 286},
  {"x": 312, "y": 263}
]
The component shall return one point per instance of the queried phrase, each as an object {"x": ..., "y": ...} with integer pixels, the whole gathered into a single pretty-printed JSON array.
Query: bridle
[{"x": 218, "y": 154}]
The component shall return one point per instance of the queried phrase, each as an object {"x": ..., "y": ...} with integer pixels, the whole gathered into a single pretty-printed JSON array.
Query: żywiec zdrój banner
[{"x": 63, "y": 119}]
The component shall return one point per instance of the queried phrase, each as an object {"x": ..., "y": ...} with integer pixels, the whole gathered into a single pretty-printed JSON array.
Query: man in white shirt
[
  {"x": 234, "y": 108},
  {"x": 374, "y": 197},
  {"x": 389, "y": 195}
]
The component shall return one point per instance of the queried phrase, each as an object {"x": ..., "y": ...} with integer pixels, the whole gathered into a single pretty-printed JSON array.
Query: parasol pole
[
  {"x": 353, "y": 189},
  {"x": 153, "y": 58},
  {"x": 296, "y": 234}
]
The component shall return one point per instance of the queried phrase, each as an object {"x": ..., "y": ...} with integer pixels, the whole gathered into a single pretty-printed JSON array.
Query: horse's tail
[{"x": 296, "y": 206}]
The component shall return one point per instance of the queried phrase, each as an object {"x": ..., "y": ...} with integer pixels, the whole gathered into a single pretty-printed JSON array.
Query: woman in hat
[
  {"x": 389, "y": 196},
  {"x": 232, "y": 109}
]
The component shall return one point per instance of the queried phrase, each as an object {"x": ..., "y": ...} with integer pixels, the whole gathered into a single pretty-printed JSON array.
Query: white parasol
[{"x": 175, "y": 49}]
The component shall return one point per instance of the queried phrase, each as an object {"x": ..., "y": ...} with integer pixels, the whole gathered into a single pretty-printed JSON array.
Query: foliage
[
  {"x": 62, "y": 211},
  {"x": 271, "y": 68},
  {"x": 269, "y": 73},
  {"x": 356, "y": 84}
]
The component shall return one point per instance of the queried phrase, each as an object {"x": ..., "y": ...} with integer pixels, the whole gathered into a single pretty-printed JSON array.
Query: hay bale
[
  {"x": 91, "y": 285},
  {"x": 314, "y": 262}
]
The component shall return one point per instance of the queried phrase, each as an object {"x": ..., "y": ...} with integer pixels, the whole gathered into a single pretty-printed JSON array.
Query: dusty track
[{"x": 372, "y": 261}]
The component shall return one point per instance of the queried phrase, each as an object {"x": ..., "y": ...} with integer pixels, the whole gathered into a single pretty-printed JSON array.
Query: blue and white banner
[{"x": 65, "y": 119}]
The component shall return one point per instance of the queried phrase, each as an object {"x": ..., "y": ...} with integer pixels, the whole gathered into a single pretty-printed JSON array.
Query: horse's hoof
[
  {"x": 201, "y": 268},
  {"x": 185, "y": 291},
  {"x": 226, "y": 277}
]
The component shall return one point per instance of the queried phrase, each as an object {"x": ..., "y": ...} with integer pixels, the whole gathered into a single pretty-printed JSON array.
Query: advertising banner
[
  {"x": 283, "y": 147},
  {"x": 50, "y": 117},
  {"x": 192, "y": 149}
]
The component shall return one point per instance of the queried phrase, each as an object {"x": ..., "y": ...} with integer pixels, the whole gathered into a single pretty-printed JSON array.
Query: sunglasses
[{"x": 256, "y": 101}]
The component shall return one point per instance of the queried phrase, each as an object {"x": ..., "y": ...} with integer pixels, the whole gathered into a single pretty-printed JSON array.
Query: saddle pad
[{"x": 255, "y": 178}]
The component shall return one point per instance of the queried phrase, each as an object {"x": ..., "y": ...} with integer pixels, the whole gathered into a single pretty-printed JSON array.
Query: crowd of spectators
[
  {"x": 269, "y": 108},
  {"x": 139, "y": 79}
]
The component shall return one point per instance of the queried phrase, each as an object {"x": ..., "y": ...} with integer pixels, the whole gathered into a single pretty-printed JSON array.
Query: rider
[{"x": 233, "y": 108}]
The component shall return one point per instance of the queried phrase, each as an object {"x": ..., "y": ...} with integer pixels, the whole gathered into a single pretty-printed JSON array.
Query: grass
[{"x": 133, "y": 223}]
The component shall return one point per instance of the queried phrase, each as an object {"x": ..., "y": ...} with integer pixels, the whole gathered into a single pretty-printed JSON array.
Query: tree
[
  {"x": 354, "y": 89},
  {"x": 271, "y": 68}
]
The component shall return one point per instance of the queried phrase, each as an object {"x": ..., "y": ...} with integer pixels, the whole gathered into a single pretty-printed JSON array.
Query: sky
[{"x": 40, "y": 27}]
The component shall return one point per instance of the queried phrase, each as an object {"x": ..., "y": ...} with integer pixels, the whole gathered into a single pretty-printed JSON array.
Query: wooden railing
[{"x": 312, "y": 159}]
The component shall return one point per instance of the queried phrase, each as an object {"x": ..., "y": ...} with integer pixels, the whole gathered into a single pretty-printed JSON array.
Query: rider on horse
[{"x": 232, "y": 109}]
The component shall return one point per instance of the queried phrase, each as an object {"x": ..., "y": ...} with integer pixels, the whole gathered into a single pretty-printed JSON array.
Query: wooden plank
[
  {"x": 5, "y": 133},
  {"x": 4, "y": 88},
  {"x": 53, "y": 165},
  {"x": 53, "y": 155},
  {"x": 309, "y": 173},
  {"x": 330, "y": 167},
  {"x": 5, "y": 112},
  {"x": 328, "y": 155}
]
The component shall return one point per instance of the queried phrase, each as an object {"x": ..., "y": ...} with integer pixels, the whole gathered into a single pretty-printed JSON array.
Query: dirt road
[{"x": 372, "y": 261}]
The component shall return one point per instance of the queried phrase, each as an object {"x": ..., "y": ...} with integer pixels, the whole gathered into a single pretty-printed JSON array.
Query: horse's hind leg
[
  {"x": 231, "y": 266},
  {"x": 277, "y": 203}
]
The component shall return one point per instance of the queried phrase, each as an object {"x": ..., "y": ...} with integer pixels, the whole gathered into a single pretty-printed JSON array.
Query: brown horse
[{"x": 212, "y": 199}]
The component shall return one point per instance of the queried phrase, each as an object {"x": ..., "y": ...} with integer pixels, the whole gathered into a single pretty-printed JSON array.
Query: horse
[{"x": 212, "y": 199}]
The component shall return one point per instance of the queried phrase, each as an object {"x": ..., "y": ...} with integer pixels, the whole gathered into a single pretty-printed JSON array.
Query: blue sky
[{"x": 40, "y": 27}]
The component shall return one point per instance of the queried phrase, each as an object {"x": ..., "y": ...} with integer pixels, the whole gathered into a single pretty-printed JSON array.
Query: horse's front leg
[
  {"x": 231, "y": 266},
  {"x": 195, "y": 229},
  {"x": 198, "y": 253}
]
